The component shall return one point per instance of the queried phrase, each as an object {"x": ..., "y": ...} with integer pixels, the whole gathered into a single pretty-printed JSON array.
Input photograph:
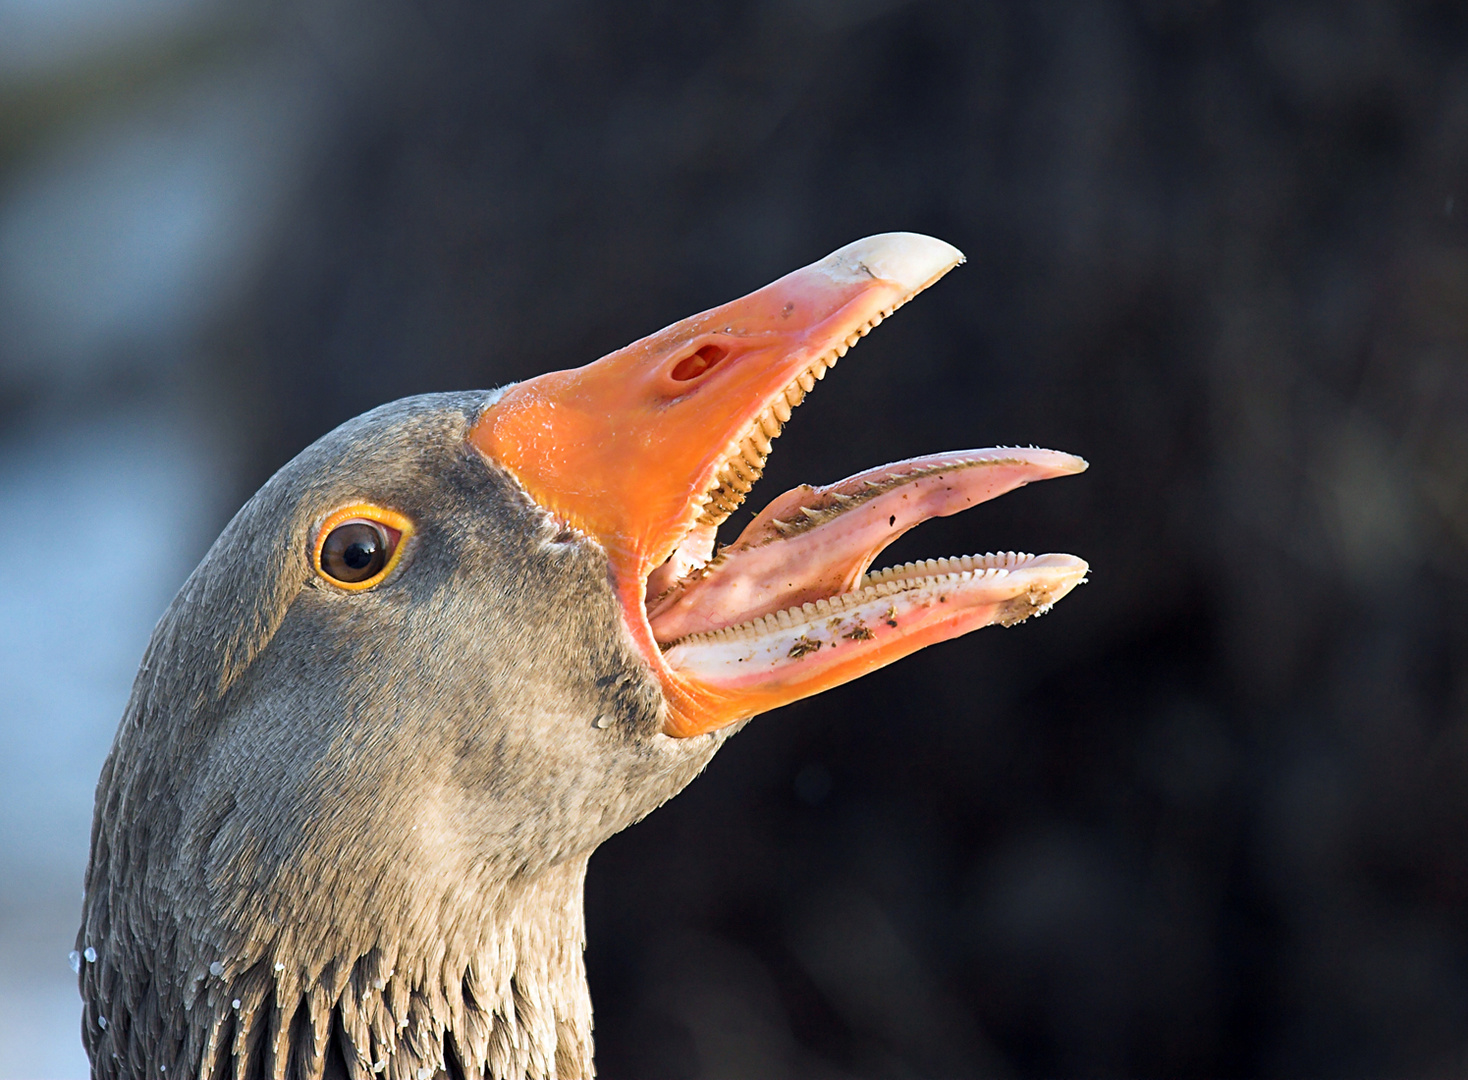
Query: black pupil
[
  {"x": 354, "y": 551},
  {"x": 359, "y": 554}
]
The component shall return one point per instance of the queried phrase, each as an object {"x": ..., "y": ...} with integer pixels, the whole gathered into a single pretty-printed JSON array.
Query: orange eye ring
[{"x": 391, "y": 527}]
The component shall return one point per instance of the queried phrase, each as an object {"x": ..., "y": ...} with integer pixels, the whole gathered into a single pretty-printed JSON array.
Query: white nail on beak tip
[{"x": 909, "y": 260}]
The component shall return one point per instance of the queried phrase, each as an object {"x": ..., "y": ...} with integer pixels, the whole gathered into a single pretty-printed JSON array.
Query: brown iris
[
  {"x": 355, "y": 551},
  {"x": 357, "y": 546}
]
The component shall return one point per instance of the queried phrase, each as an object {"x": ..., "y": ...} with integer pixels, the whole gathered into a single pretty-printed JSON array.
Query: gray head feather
[{"x": 345, "y": 833}]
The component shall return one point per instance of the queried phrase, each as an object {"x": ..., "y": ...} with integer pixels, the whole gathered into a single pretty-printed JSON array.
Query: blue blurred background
[{"x": 1209, "y": 818}]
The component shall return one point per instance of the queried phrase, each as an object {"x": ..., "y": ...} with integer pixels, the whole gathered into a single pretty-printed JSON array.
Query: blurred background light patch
[
  {"x": 118, "y": 243},
  {"x": 41, "y": 38},
  {"x": 103, "y": 517}
]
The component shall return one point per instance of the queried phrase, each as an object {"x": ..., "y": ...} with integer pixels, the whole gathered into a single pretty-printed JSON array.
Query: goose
[{"x": 460, "y": 641}]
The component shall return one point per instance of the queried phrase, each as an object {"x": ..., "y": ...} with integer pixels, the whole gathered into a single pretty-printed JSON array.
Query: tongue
[{"x": 815, "y": 543}]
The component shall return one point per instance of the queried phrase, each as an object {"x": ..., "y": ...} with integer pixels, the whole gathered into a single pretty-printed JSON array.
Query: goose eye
[
  {"x": 357, "y": 546},
  {"x": 354, "y": 552}
]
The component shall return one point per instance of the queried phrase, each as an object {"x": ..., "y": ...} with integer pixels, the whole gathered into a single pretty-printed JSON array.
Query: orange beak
[{"x": 649, "y": 448}]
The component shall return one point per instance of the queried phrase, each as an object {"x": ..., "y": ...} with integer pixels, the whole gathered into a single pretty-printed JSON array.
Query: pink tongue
[{"x": 815, "y": 543}]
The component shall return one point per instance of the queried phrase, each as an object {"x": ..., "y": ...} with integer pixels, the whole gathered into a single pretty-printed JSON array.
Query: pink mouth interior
[{"x": 815, "y": 544}]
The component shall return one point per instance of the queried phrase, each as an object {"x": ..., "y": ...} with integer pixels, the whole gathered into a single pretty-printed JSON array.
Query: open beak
[{"x": 650, "y": 448}]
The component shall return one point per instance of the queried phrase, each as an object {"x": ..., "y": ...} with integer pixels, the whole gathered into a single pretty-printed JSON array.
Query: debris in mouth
[{"x": 814, "y": 545}]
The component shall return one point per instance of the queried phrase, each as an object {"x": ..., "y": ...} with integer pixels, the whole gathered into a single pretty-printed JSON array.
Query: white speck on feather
[
  {"x": 90, "y": 954},
  {"x": 216, "y": 969}
]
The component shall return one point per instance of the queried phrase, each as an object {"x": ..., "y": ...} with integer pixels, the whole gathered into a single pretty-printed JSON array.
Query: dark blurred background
[{"x": 1207, "y": 819}]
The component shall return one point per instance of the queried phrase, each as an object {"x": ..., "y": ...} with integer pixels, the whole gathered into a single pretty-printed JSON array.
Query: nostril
[{"x": 691, "y": 367}]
